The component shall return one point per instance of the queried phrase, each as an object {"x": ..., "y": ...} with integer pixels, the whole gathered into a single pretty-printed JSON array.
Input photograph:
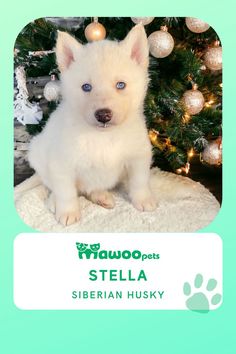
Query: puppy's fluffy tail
[{"x": 28, "y": 184}]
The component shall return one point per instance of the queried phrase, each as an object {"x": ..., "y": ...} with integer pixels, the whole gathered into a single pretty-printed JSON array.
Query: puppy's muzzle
[{"x": 103, "y": 115}]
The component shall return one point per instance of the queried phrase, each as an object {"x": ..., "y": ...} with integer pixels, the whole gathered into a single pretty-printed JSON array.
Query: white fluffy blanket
[{"x": 184, "y": 206}]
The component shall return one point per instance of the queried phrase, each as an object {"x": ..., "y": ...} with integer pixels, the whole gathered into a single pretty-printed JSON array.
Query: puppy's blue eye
[
  {"x": 120, "y": 85},
  {"x": 86, "y": 87}
]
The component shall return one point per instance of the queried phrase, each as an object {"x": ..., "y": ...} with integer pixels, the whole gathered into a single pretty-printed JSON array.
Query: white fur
[{"x": 77, "y": 153}]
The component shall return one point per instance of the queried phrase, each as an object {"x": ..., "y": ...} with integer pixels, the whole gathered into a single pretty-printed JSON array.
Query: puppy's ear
[
  {"x": 66, "y": 49},
  {"x": 137, "y": 45}
]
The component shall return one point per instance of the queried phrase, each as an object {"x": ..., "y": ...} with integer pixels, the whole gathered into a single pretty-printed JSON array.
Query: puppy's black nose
[{"x": 103, "y": 115}]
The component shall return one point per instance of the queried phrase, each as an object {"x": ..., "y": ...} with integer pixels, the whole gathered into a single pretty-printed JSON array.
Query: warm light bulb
[
  {"x": 168, "y": 142},
  {"x": 187, "y": 167},
  {"x": 186, "y": 118},
  {"x": 209, "y": 103},
  {"x": 191, "y": 152}
]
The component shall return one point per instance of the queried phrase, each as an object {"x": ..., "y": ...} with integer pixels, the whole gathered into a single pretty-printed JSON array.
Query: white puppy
[{"x": 97, "y": 135}]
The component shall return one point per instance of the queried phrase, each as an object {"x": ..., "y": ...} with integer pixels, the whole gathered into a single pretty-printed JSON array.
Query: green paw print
[{"x": 200, "y": 301}]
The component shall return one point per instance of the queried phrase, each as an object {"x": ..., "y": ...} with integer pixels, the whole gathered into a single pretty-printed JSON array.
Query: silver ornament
[
  {"x": 161, "y": 43},
  {"x": 212, "y": 154},
  {"x": 213, "y": 58},
  {"x": 193, "y": 101},
  {"x": 52, "y": 90},
  {"x": 196, "y": 25},
  {"x": 143, "y": 20}
]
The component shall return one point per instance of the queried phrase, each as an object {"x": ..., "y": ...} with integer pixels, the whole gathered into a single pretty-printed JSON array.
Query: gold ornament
[
  {"x": 52, "y": 89},
  {"x": 213, "y": 57},
  {"x": 143, "y": 20},
  {"x": 95, "y": 31},
  {"x": 193, "y": 101},
  {"x": 196, "y": 25},
  {"x": 212, "y": 154},
  {"x": 161, "y": 43}
]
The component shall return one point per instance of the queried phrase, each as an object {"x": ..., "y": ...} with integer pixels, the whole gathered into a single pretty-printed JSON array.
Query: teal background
[{"x": 184, "y": 332}]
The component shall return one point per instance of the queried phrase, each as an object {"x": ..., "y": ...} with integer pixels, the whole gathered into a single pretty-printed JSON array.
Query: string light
[
  {"x": 172, "y": 148},
  {"x": 186, "y": 117},
  {"x": 209, "y": 103},
  {"x": 191, "y": 153},
  {"x": 184, "y": 169},
  {"x": 168, "y": 142}
]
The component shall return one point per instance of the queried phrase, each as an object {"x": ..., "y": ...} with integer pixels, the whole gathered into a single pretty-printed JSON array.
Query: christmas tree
[{"x": 183, "y": 106}]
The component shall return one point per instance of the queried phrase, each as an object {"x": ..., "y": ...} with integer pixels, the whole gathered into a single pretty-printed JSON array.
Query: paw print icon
[{"x": 200, "y": 298}]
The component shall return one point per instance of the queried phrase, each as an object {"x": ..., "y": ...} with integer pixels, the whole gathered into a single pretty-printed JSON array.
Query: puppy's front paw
[
  {"x": 68, "y": 218},
  {"x": 69, "y": 214},
  {"x": 147, "y": 203},
  {"x": 103, "y": 198}
]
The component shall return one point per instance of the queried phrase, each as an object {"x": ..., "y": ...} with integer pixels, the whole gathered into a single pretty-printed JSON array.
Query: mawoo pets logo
[{"x": 86, "y": 251}]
